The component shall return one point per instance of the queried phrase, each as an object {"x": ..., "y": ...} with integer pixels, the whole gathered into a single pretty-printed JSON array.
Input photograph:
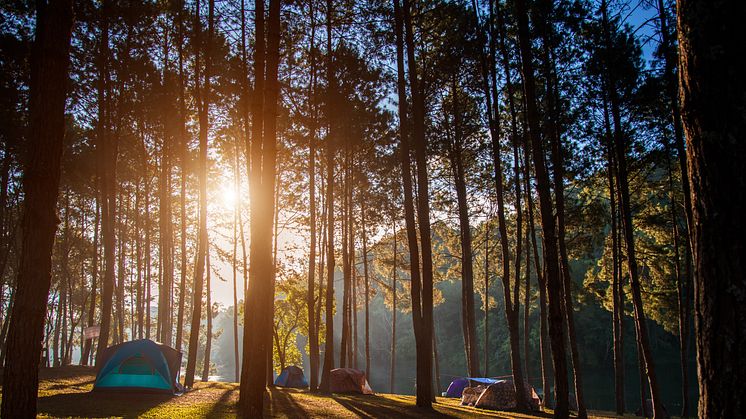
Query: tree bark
[
  {"x": 183, "y": 173},
  {"x": 712, "y": 102},
  {"x": 551, "y": 256},
  {"x": 617, "y": 287},
  {"x": 203, "y": 104},
  {"x": 684, "y": 281},
  {"x": 49, "y": 81},
  {"x": 259, "y": 302},
  {"x": 94, "y": 286},
  {"x": 367, "y": 289},
  {"x": 108, "y": 174},
  {"x": 392, "y": 369},
  {"x": 313, "y": 330},
  {"x": 422, "y": 293},
  {"x": 208, "y": 343},
  {"x": 467, "y": 265},
  {"x": 620, "y": 154},
  {"x": 329, "y": 204}
]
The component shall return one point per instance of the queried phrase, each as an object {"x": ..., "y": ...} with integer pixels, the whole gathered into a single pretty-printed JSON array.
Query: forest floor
[{"x": 65, "y": 392}]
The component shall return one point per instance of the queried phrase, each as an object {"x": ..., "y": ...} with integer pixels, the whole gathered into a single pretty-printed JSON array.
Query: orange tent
[{"x": 349, "y": 380}]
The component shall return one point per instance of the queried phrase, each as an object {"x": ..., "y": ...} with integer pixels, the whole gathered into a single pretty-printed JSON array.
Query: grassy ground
[{"x": 65, "y": 392}]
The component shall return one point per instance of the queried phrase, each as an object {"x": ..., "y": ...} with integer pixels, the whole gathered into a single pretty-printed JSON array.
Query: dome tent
[
  {"x": 457, "y": 387},
  {"x": 291, "y": 376},
  {"x": 349, "y": 380},
  {"x": 139, "y": 365}
]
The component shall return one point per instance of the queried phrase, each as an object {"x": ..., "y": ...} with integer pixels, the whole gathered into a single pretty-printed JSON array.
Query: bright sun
[{"x": 228, "y": 196}]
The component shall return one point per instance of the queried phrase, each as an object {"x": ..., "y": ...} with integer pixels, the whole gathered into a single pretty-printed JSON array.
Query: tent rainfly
[
  {"x": 291, "y": 376},
  {"x": 139, "y": 366}
]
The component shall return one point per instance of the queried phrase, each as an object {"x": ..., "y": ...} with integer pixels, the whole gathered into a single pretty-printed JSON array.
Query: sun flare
[{"x": 228, "y": 196}]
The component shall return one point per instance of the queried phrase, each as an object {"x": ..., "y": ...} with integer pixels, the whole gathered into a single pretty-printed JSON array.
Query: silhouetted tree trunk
[
  {"x": 107, "y": 156},
  {"x": 468, "y": 320},
  {"x": 510, "y": 291},
  {"x": 684, "y": 282},
  {"x": 392, "y": 369},
  {"x": 620, "y": 154},
  {"x": 329, "y": 204},
  {"x": 617, "y": 286},
  {"x": 202, "y": 91},
  {"x": 553, "y": 128},
  {"x": 258, "y": 310},
  {"x": 551, "y": 256},
  {"x": 94, "y": 285},
  {"x": 234, "y": 264},
  {"x": 166, "y": 244},
  {"x": 148, "y": 254},
  {"x": 183, "y": 170},
  {"x": 208, "y": 344},
  {"x": 367, "y": 289},
  {"x": 313, "y": 329},
  {"x": 49, "y": 81},
  {"x": 486, "y": 298},
  {"x": 422, "y": 292},
  {"x": 344, "y": 341},
  {"x": 712, "y": 103}
]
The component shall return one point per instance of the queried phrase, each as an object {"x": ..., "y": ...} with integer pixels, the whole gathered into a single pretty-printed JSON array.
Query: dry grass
[{"x": 65, "y": 392}]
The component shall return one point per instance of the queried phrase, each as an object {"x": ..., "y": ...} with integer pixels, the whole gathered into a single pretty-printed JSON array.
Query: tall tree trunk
[
  {"x": 712, "y": 102},
  {"x": 392, "y": 370},
  {"x": 166, "y": 245},
  {"x": 138, "y": 263},
  {"x": 329, "y": 204},
  {"x": 236, "y": 210},
  {"x": 422, "y": 293},
  {"x": 148, "y": 254},
  {"x": 49, "y": 72},
  {"x": 367, "y": 288},
  {"x": 313, "y": 330},
  {"x": 551, "y": 256},
  {"x": 107, "y": 155},
  {"x": 94, "y": 286},
  {"x": 202, "y": 90},
  {"x": 346, "y": 268},
  {"x": 617, "y": 283},
  {"x": 183, "y": 173},
  {"x": 208, "y": 305},
  {"x": 121, "y": 220},
  {"x": 467, "y": 264},
  {"x": 684, "y": 282},
  {"x": 510, "y": 291},
  {"x": 554, "y": 132},
  {"x": 258, "y": 325},
  {"x": 620, "y": 154}
]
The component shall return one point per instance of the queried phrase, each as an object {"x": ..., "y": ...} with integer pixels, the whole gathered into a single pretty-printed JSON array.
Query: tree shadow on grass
[
  {"x": 223, "y": 407},
  {"x": 64, "y": 386},
  {"x": 376, "y": 406},
  {"x": 373, "y": 406},
  {"x": 283, "y": 402},
  {"x": 99, "y": 405}
]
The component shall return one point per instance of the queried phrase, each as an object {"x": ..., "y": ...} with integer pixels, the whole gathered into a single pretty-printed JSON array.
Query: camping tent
[
  {"x": 349, "y": 380},
  {"x": 291, "y": 376},
  {"x": 456, "y": 387},
  {"x": 501, "y": 396},
  {"x": 139, "y": 365}
]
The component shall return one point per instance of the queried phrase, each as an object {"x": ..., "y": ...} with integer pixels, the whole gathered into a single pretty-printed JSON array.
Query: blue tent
[
  {"x": 458, "y": 385},
  {"x": 139, "y": 365},
  {"x": 291, "y": 376}
]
